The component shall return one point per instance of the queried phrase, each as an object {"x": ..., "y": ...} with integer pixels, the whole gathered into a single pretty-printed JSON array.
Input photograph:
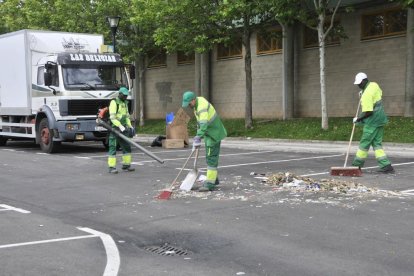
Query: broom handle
[
  {"x": 195, "y": 160},
  {"x": 185, "y": 164},
  {"x": 352, "y": 135}
]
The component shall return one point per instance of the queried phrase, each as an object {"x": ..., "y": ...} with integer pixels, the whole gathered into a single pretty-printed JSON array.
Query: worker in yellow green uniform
[
  {"x": 211, "y": 129},
  {"x": 119, "y": 117},
  {"x": 373, "y": 118}
]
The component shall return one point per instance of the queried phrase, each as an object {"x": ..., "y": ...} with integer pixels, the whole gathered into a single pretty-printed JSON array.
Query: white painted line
[
  {"x": 140, "y": 153},
  {"x": 364, "y": 168},
  {"x": 280, "y": 161},
  {"x": 174, "y": 151},
  {"x": 45, "y": 241},
  {"x": 221, "y": 155},
  {"x": 273, "y": 161},
  {"x": 11, "y": 208},
  {"x": 408, "y": 191},
  {"x": 113, "y": 259}
]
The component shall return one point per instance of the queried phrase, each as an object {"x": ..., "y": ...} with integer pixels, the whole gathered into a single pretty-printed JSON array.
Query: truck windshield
[{"x": 93, "y": 77}]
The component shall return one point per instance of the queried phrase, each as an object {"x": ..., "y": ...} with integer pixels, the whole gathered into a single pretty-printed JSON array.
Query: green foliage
[
  {"x": 398, "y": 130},
  {"x": 135, "y": 31}
]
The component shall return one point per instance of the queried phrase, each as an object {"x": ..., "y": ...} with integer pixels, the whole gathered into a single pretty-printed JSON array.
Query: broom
[
  {"x": 348, "y": 171},
  {"x": 166, "y": 193}
]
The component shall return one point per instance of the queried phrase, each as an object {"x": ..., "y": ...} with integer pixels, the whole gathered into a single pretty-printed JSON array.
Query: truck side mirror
[
  {"x": 132, "y": 72},
  {"x": 48, "y": 78}
]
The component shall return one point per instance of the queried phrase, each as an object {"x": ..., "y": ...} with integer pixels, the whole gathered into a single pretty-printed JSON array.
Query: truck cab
[
  {"x": 56, "y": 86},
  {"x": 78, "y": 85}
]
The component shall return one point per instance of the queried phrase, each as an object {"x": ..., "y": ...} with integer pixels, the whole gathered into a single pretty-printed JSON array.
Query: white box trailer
[{"x": 52, "y": 85}]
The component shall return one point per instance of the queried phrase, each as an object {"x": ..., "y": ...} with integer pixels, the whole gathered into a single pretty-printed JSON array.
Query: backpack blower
[{"x": 102, "y": 120}]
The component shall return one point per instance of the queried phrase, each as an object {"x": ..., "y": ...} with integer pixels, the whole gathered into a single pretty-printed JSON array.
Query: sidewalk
[{"x": 403, "y": 150}]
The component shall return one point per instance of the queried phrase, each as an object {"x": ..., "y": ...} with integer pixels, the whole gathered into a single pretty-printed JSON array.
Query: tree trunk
[
  {"x": 205, "y": 76},
  {"x": 141, "y": 79},
  {"x": 288, "y": 78},
  {"x": 321, "y": 37},
  {"x": 409, "y": 82},
  {"x": 248, "y": 70},
  {"x": 197, "y": 74}
]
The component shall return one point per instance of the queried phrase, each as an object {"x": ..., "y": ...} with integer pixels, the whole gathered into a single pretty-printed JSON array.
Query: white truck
[{"x": 52, "y": 85}]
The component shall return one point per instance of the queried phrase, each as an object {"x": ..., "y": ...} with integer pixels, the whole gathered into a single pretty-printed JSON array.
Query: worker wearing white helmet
[{"x": 373, "y": 118}]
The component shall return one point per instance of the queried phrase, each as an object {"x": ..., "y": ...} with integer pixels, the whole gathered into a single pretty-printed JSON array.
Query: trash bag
[{"x": 158, "y": 141}]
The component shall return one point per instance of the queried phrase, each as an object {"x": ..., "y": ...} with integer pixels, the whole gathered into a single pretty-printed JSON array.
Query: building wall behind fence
[
  {"x": 384, "y": 61},
  {"x": 165, "y": 86}
]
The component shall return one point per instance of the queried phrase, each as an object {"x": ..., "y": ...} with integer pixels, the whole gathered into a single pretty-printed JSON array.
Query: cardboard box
[
  {"x": 178, "y": 127},
  {"x": 173, "y": 143}
]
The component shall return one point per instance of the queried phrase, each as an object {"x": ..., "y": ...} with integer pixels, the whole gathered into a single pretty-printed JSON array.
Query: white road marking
[
  {"x": 221, "y": 155},
  {"x": 274, "y": 161},
  {"x": 11, "y": 208},
  {"x": 280, "y": 161},
  {"x": 408, "y": 192},
  {"x": 46, "y": 241},
  {"x": 365, "y": 168},
  {"x": 113, "y": 259},
  {"x": 173, "y": 151}
]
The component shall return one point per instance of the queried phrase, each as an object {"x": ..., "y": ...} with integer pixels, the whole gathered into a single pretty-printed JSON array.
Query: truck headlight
[{"x": 72, "y": 127}]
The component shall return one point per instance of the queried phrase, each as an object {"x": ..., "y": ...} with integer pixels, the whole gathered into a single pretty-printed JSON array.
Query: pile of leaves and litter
[
  {"x": 285, "y": 187},
  {"x": 289, "y": 181}
]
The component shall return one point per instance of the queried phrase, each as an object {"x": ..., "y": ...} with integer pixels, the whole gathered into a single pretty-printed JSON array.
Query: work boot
[
  {"x": 127, "y": 168},
  {"x": 207, "y": 187},
  {"x": 386, "y": 169},
  {"x": 217, "y": 181},
  {"x": 113, "y": 170}
]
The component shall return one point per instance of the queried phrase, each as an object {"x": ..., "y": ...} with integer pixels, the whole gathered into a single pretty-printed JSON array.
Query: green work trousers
[
  {"x": 126, "y": 151},
  {"x": 371, "y": 136},
  {"x": 212, "y": 158}
]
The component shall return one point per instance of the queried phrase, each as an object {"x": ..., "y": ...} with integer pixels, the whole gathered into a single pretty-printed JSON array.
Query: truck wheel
[
  {"x": 46, "y": 137},
  {"x": 3, "y": 140}
]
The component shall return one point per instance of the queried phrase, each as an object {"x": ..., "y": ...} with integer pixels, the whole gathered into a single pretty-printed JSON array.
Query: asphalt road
[{"x": 63, "y": 214}]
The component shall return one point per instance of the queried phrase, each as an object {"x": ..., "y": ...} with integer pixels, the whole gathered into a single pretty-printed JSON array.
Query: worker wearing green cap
[
  {"x": 119, "y": 117},
  {"x": 211, "y": 129}
]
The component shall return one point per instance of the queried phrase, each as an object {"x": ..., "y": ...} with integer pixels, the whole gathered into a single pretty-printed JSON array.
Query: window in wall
[
  {"x": 233, "y": 50},
  {"x": 269, "y": 41},
  {"x": 384, "y": 23},
  {"x": 310, "y": 36},
  {"x": 183, "y": 58},
  {"x": 157, "y": 58}
]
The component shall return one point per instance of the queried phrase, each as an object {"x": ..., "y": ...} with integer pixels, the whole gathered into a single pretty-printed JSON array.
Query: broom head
[
  {"x": 346, "y": 171},
  {"x": 165, "y": 194}
]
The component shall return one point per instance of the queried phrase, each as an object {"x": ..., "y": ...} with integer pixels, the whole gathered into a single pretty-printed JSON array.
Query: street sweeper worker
[
  {"x": 119, "y": 117},
  {"x": 211, "y": 129},
  {"x": 373, "y": 119}
]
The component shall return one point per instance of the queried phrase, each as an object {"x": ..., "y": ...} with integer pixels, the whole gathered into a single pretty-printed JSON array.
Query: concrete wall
[
  {"x": 383, "y": 60},
  {"x": 165, "y": 86}
]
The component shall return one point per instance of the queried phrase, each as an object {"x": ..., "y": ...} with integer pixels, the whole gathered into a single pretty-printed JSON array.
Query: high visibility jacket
[
  {"x": 118, "y": 113},
  {"x": 209, "y": 123},
  {"x": 371, "y": 100}
]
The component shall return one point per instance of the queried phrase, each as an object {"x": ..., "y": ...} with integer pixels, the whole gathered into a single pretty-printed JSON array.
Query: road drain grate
[{"x": 167, "y": 250}]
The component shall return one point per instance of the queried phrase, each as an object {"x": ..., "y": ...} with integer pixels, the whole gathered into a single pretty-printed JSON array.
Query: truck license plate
[{"x": 100, "y": 128}]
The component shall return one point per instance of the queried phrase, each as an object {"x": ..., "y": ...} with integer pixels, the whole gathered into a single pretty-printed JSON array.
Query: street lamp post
[{"x": 113, "y": 22}]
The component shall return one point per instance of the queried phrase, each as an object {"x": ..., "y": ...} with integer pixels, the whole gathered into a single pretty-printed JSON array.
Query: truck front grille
[{"x": 84, "y": 107}]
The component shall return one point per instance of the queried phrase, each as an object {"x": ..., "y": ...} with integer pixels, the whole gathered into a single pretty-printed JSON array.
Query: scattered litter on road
[{"x": 286, "y": 188}]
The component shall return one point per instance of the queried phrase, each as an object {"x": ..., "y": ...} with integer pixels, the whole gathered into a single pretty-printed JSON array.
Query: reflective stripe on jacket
[
  {"x": 371, "y": 100},
  {"x": 210, "y": 126},
  {"x": 118, "y": 113}
]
